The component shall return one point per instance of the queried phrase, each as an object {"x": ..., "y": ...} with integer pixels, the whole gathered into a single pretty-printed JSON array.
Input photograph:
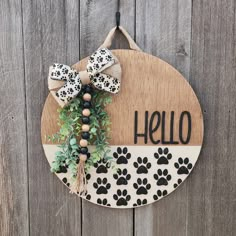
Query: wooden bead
[
  {"x": 82, "y": 157},
  {"x": 86, "y": 112},
  {"x": 85, "y": 128},
  {"x": 83, "y": 143},
  {"x": 87, "y": 97}
]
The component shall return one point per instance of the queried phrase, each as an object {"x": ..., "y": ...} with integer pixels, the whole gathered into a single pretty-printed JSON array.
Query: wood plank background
[{"x": 197, "y": 37}]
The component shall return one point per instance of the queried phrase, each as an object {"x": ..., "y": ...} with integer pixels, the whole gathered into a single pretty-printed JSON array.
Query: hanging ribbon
[{"x": 103, "y": 71}]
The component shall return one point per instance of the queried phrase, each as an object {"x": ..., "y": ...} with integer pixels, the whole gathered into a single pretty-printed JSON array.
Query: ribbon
[{"x": 103, "y": 71}]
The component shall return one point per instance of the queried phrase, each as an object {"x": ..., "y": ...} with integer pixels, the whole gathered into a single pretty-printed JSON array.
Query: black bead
[
  {"x": 88, "y": 89},
  {"x": 85, "y": 120},
  {"x": 85, "y": 135},
  {"x": 84, "y": 150},
  {"x": 87, "y": 104}
]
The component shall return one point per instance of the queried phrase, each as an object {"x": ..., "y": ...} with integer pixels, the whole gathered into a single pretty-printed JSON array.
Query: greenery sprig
[{"x": 70, "y": 130}]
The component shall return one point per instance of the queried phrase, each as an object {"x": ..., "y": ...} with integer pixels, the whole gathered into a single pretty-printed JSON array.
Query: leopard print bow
[{"x": 103, "y": 71}]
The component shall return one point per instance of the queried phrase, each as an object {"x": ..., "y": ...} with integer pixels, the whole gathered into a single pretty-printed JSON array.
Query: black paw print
[
  {"x": 101, "y": 78},
  {"x": 70, "y": 90},
  {"x": 64, "y": 180},
  {"x": 108, "y": 57},
  {"x": 115, "y": 81},
  {"x": 140, "y": 202},
  {"x": 112, "y": 88},
  {"x": 102, "y": 165},
  {"x": 162, "y": 177},
  {"x": 71, "y": 81},
  {"x": 60, "y": 66},
  {"x": 142, "y": 186},
  {"x": 91, "y": 59},
  {"x": 159, "y": 194},
  {"x": 64, "y": 70},
  {"x": 71, "y": 75},
  {"x": 183, "y": 166},
  {"x": 179, "y": 181},
  {"x": 102, "y": 51},
  {"x": 122, "y": 177},
  {"x": 100, "y": 59},
  {"x": 121, "y": 197},
  {"x": 122, "y": 155},
  {"x": 102, "y": 186},
  {"x": 99, "y": 86},
  {"x": 84, "y": 193},
  {"x": 88, "y": 196},
  {"x": 62, "y": 169},
  {"x": 106, "y": 84},
  {"x": 96, "y": 66},
  {"x": 77, "y": 87},
  {"x": 63, "y": 93},
  {"x": 142, "y": 165},
  {"x": 163, "y": 156},
  {"x": 103, "y": 202}
]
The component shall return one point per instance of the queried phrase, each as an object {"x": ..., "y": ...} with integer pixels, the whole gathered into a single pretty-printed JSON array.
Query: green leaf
[{"x": 72, "y": 141}]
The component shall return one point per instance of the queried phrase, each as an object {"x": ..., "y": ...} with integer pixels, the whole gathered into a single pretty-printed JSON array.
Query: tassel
[{"x": 81, "y": 182}]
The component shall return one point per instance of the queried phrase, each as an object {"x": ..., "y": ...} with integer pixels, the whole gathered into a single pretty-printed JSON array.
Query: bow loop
[
  {"x": 103, "y": 71},
  {"x": 62, "y": 72},
  {"x": 99, "y": 61}
]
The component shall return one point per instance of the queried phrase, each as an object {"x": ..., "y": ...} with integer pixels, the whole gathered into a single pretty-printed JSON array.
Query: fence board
[
  {"x": 13, "y": 143},
  {"x": 94, "y": 28},
  {"x": 51, "y": 34},
  {"x": 211, "y": 200},
  {"x": 164, "y": 30}
]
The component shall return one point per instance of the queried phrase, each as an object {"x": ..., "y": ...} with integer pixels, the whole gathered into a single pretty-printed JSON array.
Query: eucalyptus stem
[{"x": 70, "y": 131}]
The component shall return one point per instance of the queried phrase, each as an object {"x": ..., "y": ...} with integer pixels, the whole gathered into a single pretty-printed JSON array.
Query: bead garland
[
  {"x": 85, "y": 123},
  {"x": 84, "y": 155}
]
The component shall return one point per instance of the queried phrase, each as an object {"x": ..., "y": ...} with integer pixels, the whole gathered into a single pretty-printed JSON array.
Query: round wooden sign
[{"x": 157, "y": 133}]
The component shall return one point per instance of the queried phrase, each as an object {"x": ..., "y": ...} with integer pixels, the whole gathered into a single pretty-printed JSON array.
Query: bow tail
[{"x": 106, "y": 83}]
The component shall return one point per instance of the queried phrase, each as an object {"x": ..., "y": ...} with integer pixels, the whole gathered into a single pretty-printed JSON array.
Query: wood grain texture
[
  {"x": 94, "y": 28},
  {"x": 51, "y": 34},
  {"x": 155, "y": 80},
  {"x": 164, "y": 30},
  {"x": 212, "y": 188},
  {"x": 13, "y": 142},
  {"x": 205, "y": 203}
]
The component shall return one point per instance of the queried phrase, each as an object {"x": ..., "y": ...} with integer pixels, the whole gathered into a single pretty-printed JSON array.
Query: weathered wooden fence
[{"x": 198, "y": 37}]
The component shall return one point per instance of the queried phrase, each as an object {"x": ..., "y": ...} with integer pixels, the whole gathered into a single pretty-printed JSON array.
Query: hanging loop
[
  {"x": 108, "y": 41},
  {"x": 117, "y": 19},
  {"x": 118, "y": 15}
]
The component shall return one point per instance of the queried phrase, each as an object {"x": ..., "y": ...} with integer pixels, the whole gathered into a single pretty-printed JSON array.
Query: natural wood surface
[
  {"x": 14, "y": 216},
  {"x": 197, "y": 37},
  {"x": 148, "y": 84},
  {"x": 51, "y": 34}
]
